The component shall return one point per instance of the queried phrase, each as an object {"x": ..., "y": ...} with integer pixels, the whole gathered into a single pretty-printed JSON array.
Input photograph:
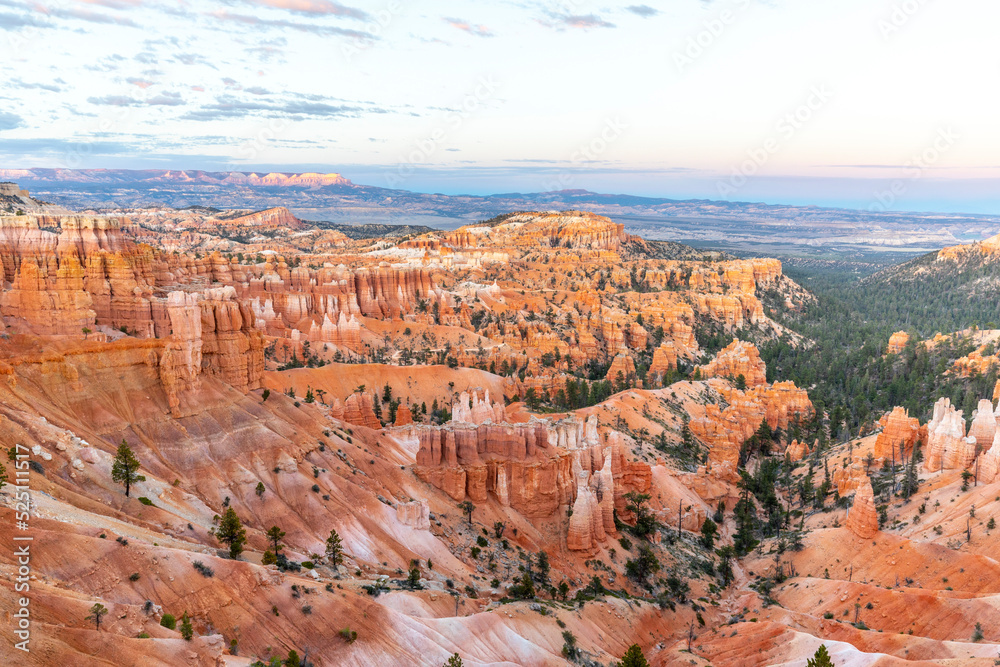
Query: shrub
[
  {"x": 203, "y": 569},
  {"x": 134, "y": 576},
  {"x": 308, "y": 564},
  {"x": 145, "y": 501},
  {"x": 348, "y": 635},
  {"x": 169, "y": 622}
]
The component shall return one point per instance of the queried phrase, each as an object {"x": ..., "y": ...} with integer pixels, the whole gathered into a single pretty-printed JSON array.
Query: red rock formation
[
  {"x": 359, "y": 409},
  {"x": 415, "y": 514},
  {"x": 796, "y": 451},
  {"x": 724, "y": 431},
  {"x": 738, "y": 358},
  {"x": 403, "y": 416},
  {"x": 897, "y": 342},
  {"x": 899, "y": 434},
  {"x": 474, "y": 411},
  {"x": 948, "y": 447},
  {"x": 621, "y": 365},
  {"x": 586, "y": 525},
  {"x": 278, "y": 216},
  {"x": 863, "y": 518},
  {"x": 664, "y": 360}
]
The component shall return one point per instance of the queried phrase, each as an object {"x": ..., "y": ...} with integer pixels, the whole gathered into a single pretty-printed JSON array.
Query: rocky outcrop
[
  {"x": 897, "y": 342},
  {"x": 414, "y": 514},
  {"x": 948, "y": 447},
  {"x": 621, "y": 372},
  {"x": 232, "y": 348},
  {"x": 50, "y": 303},
  {"x": 989, "y": 461},
  {"x": 403, "y": 416},
  {"x": 278, "y": 216},
  {"x": 472, "y": 410},
  {"x": 984, "y": 425},
  {"x": 515, "y": 463},
  {"x": 359, "y": 409},
  {"x": 664, "y": 361},
  {"x": 586, "y": 525},
  {"x": 863, "y": 518},
  {"x": 796, "y": 451},
  {"x": 900, "y": 433},
  {"x": 724, "y": 430},
  {"x": 568, "y": 229},
  {"x": 736, "y": 359}
]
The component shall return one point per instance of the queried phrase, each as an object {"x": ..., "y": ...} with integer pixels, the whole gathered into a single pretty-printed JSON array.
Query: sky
[{"x": 858, "y": 103}]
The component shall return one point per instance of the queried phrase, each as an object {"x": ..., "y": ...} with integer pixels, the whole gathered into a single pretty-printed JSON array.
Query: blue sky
[{"x": 834, "y": 102}]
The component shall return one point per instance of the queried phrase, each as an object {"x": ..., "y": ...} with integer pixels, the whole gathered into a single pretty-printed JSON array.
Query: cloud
[
  {"x": 82, "y": 14},
  {"x": 193, "y": 59},
  {"x": 114, "y": 4},
  {"x": 166, "y": 99},
  {"x": 324, "y": 30},
  {"x": 23, "y": 85},
  {"x": 231, "y": 107},
  {"x": 477, "y": 30},
  {"x": 645, "y": 11},
  {"x": 142, "y": 83},
  {"x": 313, "y": 7},
  {"x": 115, "y": 101},
  {"x": 13, "y": 21},
  {"x": 162, "y": 99},
  {"x": 584, "y": 22},
  {"x": 8, "y": 121},
  {"x": 257, "y": 90}
]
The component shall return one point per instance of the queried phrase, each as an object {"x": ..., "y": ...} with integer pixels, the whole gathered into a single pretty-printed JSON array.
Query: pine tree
[
  {"x": 453, "y": 661},
  {"x": 232, "y": 532},
  {"x": 745, "y": 511},
  {"x": 125, "y": 469},
  {"x": 187, "y": 631},
  {"x": 334, "y": 549},
  {"x": 275, "y": 534},
  {"x": 96, "y": 613},
  {"x": 633, "y": 657},
  {"x": 708, "y": 531},
  {"x": 821, "y": 658}
]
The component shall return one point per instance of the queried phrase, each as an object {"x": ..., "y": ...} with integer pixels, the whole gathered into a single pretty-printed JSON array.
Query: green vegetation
[
  {"x": 125, "y": 469},
  {"x": 850, "y": 322}
]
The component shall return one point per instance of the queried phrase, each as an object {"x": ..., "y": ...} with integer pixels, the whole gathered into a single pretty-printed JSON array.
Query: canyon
[{"x": 540, "y": 400}]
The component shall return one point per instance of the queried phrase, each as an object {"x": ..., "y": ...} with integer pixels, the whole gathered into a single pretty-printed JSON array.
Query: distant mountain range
[
  {"x": 119, "y": 176},
  {"x": 738, "y": 226}
]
